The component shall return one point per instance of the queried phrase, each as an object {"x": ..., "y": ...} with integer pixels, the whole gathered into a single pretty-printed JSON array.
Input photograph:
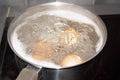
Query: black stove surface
[
  {"x": 109, "y": 60},
  {"x": 8, "y": 67}
]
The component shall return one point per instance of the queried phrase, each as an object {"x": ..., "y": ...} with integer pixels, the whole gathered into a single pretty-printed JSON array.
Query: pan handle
[{"x": 29, "y": 73}]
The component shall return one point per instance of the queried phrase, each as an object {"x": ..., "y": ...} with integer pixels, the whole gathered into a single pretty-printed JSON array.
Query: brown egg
[
  {"x": 71, "y": 60},
  {"x": 42, "y": 50},
  {"x": 68, "y": 37}
]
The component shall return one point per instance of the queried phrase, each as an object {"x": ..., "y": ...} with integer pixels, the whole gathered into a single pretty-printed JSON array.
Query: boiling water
[{"x": 50, "y": 26}]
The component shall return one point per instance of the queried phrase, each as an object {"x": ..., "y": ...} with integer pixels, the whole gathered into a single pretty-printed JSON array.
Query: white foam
[{"x": 75, "y": 17}]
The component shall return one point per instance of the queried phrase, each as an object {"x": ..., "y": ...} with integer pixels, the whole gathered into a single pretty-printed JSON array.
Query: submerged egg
[
  {"x": 68, "y": 37},
  {"x": 42, "y": 50},
  {"x": 71, "y": 60}
]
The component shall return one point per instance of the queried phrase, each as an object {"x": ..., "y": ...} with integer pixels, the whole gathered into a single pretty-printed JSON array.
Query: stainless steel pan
[{"x": 51, "y": 7}]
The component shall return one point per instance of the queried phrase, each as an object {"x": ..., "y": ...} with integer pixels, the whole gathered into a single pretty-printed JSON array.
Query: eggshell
[
  {"x": 71, "y": 60},
  {"x": 68, "y": 37}
]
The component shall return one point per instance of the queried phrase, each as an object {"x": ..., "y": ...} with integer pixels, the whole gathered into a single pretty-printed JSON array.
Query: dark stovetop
[{"x": 110, "y": 55}]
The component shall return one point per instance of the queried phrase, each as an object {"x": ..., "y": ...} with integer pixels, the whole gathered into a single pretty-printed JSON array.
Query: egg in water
[{"x": 71, "y": 60}]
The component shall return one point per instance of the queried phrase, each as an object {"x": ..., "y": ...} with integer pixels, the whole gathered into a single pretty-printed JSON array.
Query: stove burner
[{"x": 8, "y": 67}]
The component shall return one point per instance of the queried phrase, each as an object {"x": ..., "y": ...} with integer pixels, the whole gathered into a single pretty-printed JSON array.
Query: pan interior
[{"x": 45, "y": 38}]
